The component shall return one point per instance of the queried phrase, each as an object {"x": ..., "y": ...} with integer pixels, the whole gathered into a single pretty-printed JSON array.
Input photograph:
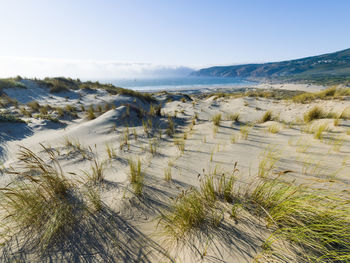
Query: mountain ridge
[{"x": 331, "y": 66}]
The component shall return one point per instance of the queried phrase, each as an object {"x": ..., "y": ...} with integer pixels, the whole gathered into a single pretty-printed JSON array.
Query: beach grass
[
  {"x": 40, "y": 206},
  {"x": 216, "y": 119},
  {"x": 319, "y": 130},
  {"x": 234, "y": 117},
  {"x": 313, "y": 114},
  {"x": 267, "y": 117},
  {"x": 136, "y": 176},
  {"x": 167, "y": 174},
  {"x": 96, "y": 175},
  {"x": 316, "y": 224},
  {"x": 244, "y": 130},
  {"x": 274, "y": 128},
  {"x": 268, "y": 159},
  {"x": 187, "y": 214}
]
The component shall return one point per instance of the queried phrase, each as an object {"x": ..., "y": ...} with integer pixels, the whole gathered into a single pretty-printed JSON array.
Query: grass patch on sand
[
  {"x": 110, "y": 151},
  {"x": 61, "y": 84},
  {"x": 7, "y": 117},
  {"x": 267, "y": 117},
  {"x": 195, "y": 209},
  {"x": 97, "y": 170},
  {"x": 328, "y": 94},
  {"x": 170, "y": 131},
  {"x": 180, "y": 143},
  {"x": 316, "y": 224},
  {"x": 274, "y": 128},
  {"x": 244, "y": 130},
  {"x": 167, "y": 173},
  {"x": 319, "y": 130},
  {"x": 233, "y": 117},
  {"x": 314, "y": 114},
  {"x": 187, "y": 214},
  {"x": 34, "y": 106},
  {"x": 345, "y": 114},
  {"x": 306, "y": 225},
  {"x": 90, "y": 113},
  {"x": 268, "y": 159},
  {"x": 217, "y": 119},
  {"x": 41, "y": 207},
  {"x": 136, "y": 177},
  {"x": 10, "y": 84}
]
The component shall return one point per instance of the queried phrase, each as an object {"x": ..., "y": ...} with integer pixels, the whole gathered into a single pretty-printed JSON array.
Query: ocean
[{"x": 178, "y": 83}]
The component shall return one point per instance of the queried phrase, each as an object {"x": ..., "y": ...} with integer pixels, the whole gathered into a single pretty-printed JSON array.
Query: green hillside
[{"x": 330, "y": 68}]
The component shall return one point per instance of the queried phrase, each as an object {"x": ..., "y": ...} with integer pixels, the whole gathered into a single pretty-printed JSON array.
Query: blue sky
[{"x": 100, "y": 37}]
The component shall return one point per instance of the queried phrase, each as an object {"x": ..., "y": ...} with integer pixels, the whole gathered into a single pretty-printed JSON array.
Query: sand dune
[{"x": 125, "y": 228}]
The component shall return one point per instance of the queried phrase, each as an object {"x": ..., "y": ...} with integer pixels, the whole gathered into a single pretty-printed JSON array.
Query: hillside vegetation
[
  {"x": 61, "y": 84},
  {"x": 329, "y": 68}
]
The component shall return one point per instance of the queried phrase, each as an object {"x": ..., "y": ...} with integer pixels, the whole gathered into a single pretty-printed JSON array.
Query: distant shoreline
[{"x": 240, "y": 88}]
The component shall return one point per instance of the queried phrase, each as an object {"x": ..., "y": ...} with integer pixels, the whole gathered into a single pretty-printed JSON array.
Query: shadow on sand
[
  {"x": 12, "y": 132},
  {"x": 102, "y": 237}
]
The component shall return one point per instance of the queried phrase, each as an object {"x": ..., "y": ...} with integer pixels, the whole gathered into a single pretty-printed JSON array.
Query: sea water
[{"x": 178, "y": 83}]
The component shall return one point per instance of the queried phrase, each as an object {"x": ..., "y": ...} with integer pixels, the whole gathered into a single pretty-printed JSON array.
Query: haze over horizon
[{"x": 123, "y": 39}]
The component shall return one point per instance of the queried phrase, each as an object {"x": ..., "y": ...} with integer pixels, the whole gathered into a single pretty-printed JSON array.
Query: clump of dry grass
[
  {"x": 34, "y": 106},
  {"x": 336, "y": 122},
  {"x": 217, "y": 186},
  {"x": 195, "y": 209},
  {"x": 274, "y": 128},
  {"x": 171, "y": 127},
  {"x": 234, "y": 117},
  {"x": 315, "y": 224},
  {"x": 318, "y": 131},
  {"x": 136, "y": 176},
  {"x": 90, "y": 114},
  {"x": 167, "y": 174},
  {"x": 345, "y": 114},
  {"x": 328, "y": 94},
  {"x": 315, "y": 113},
  {"x": 97, "y": 170},
  {"x": 25, "y": 112},
  {"x": 268, "y": 159},
  {"x": 110, "y": 151},
  {"x": 40, "y": 206},
  {"x": 187, "y": 214},
  {"x": 153, "y": 145},
  {"x": 124, "y": 140},
  {"x": 244, "y": 132},
  {"x": 267, "y": 117},
  {"x": 180, "y": 143},
  {"x": 8, "y": 117},
  {"x": 155, "y": 110},
  {"x": 217, "y": 119},
  {"x": 94, "y": 198}
]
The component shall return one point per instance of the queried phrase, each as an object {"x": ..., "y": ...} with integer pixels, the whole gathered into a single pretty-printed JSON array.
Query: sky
[{"x": 126, "y": 38}]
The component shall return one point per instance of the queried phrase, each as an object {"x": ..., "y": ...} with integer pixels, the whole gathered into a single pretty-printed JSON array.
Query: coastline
[{"x": 241, "y": 87}]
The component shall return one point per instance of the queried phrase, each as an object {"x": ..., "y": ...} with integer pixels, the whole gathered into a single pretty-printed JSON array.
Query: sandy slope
[{"x": 320, "y": 166}]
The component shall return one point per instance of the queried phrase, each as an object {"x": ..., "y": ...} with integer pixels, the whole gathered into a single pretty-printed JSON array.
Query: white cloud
[{"x": 85, "y": 69}]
